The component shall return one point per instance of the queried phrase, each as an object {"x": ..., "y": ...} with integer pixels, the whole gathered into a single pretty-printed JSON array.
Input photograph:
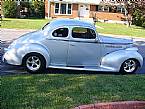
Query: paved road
[{"x": 8, "y": 35}]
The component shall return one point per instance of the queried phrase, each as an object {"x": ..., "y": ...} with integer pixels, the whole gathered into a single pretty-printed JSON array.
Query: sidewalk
[
  {"x": 10, "y": 34},
  {"x": 115, "y": 105}
]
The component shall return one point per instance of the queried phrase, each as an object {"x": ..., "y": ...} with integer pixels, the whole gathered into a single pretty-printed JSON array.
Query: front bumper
[
  {"x": 10, "y": 57},
  {"x": 3, "y": 57}
]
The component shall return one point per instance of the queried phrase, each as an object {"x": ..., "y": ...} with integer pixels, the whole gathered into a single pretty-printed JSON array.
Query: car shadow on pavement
[{"x": 62, "y": 71}]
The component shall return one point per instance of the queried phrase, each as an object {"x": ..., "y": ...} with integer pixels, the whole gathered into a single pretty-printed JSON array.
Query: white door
[
  {"x": 83, "y": 48},
  {"x": 84, "y": 11}
]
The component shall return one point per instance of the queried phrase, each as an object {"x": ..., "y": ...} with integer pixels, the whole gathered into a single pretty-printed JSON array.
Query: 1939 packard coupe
[{"x": 73, "y": 44}]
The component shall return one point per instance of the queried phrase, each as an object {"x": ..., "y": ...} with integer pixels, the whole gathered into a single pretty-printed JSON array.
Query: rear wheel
[
  {"x": 34, "y": 63},
  {"x": 129, "y": 66}
]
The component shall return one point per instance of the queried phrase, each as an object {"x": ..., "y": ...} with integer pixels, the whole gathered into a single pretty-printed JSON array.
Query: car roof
[{"x": 70, "y": 22}]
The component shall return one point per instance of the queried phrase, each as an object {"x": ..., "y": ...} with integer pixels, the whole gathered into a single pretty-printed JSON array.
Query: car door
[
  {"x": 84, "y": 50},
  {"x": 57, "y": 44}
]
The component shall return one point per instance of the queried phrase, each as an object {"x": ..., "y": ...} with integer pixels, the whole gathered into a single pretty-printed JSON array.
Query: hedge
[
  {"x": 9, "y": 9},
  {"x": 35, "y": 9}
]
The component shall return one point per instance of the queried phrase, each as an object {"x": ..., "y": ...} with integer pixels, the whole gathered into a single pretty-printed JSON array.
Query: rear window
[{"x": 84, "y": 33}]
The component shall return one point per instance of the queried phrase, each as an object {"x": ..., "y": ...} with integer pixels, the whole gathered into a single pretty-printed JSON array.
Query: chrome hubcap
[
  {"x": 129, "y": 66},
  {"x": 33, "y": 63}
]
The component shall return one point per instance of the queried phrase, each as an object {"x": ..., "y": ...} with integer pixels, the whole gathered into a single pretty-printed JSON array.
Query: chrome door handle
[{"x": 72, "y": 45}]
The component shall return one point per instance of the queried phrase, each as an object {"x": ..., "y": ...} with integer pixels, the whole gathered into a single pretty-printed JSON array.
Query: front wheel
[
  {"x": 34, "y": 63},
  {"x": 129, "y": 66}
]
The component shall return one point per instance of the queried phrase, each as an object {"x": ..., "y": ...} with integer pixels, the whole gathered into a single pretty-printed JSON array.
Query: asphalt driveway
[{"x": 8, "y": 35}]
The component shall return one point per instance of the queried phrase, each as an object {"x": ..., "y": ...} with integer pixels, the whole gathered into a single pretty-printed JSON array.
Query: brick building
[
  {"x": 0, "y": 7},
  {"x": 105, "y": 10}
]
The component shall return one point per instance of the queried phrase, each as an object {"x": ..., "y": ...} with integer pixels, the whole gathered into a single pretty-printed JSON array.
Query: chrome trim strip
[{"x": 91, "y": 42}]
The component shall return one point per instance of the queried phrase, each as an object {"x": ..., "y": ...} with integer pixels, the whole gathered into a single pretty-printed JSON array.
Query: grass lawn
[
  {"x": 117, "y": 29},
  {"x": 23, "y": 23},
  {"x": 64, "y": 91}
]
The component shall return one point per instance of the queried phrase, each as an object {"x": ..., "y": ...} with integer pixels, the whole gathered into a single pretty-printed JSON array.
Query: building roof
[
  {"x": 79, "y": 1},
  {"x": 69, "y": 22}
]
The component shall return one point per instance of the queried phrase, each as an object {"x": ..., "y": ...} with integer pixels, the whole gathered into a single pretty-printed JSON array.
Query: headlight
[{"x": 5, "y": 50}]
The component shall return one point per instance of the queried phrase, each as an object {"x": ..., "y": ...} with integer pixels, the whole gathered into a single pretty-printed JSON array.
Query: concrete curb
[
  {"x": 115, "y": 105},
  {"x": 8, "y": 29}
]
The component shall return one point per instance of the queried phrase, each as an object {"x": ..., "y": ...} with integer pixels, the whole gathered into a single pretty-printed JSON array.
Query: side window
[
  {"x": 85, "y": 33},
  {"x": 61, "y": 32}
]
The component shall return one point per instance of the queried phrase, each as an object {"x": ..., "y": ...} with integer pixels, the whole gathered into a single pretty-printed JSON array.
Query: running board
[{"x": 85, "y": 68}]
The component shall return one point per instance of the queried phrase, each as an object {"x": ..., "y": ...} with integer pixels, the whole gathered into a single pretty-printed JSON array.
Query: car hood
[{"x": 113, "y": 40}]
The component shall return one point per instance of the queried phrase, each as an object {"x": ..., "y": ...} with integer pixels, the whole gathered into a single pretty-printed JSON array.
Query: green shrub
[
  {"x": 39, "y": 9},
  {"x": 143, "y": 25},
  {"x": 137, "y": 17},
  {"x": 27, "y": 5},
  {"x": 9, "y": 9},
  {"x": 36, "y": 9},
  {"x": 138, "y": 13}
]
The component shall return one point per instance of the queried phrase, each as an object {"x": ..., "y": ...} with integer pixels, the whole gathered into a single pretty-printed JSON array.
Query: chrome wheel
[
  {"x": 33, "y": 63},
  {"x": 130, "y": 66}
]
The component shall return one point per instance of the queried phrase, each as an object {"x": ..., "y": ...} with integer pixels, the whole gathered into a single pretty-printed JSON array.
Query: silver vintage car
[{"x": 73, "y": 44}]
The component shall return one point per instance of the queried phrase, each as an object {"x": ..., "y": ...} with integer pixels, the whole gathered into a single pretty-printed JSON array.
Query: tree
[
  {"x": 137, "y": 10},
  {"x": 39, "y": 9},
  {"x": 9, "y": 9},
  {"x": 139, "y": 13}
]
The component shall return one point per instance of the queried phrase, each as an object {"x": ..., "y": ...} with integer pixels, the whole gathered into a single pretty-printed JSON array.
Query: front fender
[
  {"x": 33, "y": 47},
  {"x": 115, "y": 59}
]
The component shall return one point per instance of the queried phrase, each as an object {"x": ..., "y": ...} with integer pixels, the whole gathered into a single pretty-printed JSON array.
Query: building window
[
  {"x": 69, "y": 8},
  {"x": 63, "y": 8},
  {"x": 123, "y": 10},
  {"x": 56, "y": 8},
  {"x": 97, "y": 7},
  {"x": 100, "y": 8},
  {"x": 120, "y": 9},
  {"x": 106, "y": 8}
]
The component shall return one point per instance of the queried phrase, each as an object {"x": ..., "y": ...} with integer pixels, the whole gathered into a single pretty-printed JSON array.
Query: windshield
[{"x": 45, "y": 26}]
